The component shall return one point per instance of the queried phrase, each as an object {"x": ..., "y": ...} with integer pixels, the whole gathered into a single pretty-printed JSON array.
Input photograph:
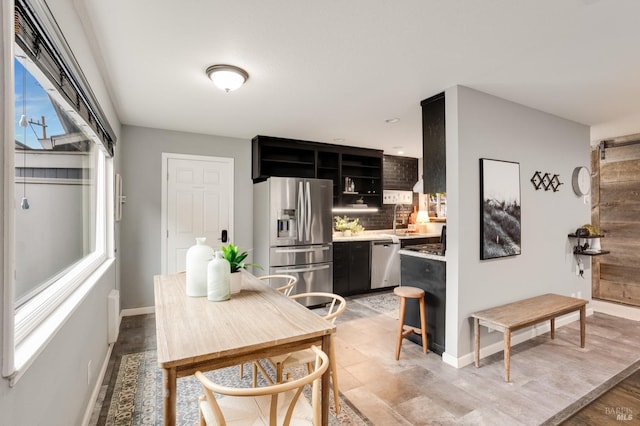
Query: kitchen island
[{"x": 428, "y": 272}]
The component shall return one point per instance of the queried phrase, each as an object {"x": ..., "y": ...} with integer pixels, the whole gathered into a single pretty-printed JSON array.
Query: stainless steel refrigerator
[{"x": 292, "y": 229}]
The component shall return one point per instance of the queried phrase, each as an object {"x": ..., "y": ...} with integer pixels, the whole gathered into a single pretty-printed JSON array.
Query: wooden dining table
[{"x": 194, "y": 334}]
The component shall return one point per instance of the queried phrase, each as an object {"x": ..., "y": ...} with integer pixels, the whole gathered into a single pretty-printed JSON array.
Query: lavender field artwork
[{"x": 500, "y": 209}]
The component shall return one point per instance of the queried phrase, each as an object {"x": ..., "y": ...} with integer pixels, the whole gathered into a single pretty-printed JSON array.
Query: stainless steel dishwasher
[{"x": 385, "y": 264}]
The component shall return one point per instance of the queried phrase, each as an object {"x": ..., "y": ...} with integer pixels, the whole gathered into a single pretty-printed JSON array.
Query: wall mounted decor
[
  {"x": 546, "y": 181},
  {"x": 500, "y": 225},
  {"x": 581, "y": 181}
]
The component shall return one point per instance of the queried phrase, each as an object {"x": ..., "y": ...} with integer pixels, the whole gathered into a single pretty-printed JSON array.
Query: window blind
[{"x": 38, "y": 35}]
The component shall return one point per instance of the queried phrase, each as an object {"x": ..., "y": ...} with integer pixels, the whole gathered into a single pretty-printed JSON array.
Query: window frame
[{"x": 27, "y": 330}]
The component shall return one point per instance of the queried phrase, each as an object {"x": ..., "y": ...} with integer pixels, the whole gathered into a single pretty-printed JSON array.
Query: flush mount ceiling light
[{"x": 227, "y": 77}]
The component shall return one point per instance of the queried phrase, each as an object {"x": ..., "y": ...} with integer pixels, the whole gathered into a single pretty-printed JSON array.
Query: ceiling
[{"x": 334, "y": 70}]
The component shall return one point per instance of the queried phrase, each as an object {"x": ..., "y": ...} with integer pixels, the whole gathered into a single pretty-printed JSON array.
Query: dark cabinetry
[
  {"x": 294, "y": 158},
  {"x": 434, "y": 173},
  {"x": 351, "y": 267},
  {"x": 429, "y": 275}
]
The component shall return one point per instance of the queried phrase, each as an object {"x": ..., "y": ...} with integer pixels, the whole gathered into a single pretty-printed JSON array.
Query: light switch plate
[{"x": 397, "y": 197}]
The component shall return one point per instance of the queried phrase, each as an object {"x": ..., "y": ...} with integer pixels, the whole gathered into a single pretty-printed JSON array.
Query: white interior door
[{"x": 198, "y": 203}]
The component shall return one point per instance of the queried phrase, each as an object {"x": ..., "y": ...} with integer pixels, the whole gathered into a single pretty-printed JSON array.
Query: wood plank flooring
[
  {"x": 548, "y": 376},
  {"x": 620, "y": 405}
]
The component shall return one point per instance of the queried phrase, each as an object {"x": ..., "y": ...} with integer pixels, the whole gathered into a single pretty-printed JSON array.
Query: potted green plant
[
  {"x": 347, "y": 225},
  {"x": 236, "y": 256}
]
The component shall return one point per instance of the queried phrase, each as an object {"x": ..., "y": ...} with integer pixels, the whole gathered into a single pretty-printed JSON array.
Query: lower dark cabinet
[
  {"x": 351, "y": 267},
  {"x": 429, "y": 275}
]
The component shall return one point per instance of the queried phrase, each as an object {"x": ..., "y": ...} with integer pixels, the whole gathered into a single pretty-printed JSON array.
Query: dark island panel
[{"x": 429, "y": 275}]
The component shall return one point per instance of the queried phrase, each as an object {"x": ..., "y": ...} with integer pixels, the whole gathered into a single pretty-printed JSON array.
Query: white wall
[
  {"x": 483, "y": 126},
  {"x": 141, "y": 157}
]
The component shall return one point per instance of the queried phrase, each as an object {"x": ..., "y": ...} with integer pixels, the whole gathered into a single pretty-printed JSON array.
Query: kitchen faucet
[{"x": 395, "y": 209}]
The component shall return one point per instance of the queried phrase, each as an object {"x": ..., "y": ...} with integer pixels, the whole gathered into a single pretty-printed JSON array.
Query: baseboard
[
  {"x": 96, "y": 389},
  {"x": 616, "y": 309},
  {"x": 519, "y": 337},
  {"x": 137, "y": 311}
]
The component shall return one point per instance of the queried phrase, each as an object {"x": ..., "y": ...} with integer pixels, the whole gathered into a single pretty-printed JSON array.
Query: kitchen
[{"x": 393, "y": 225}]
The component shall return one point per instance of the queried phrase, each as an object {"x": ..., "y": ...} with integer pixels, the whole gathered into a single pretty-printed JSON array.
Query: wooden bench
[{"x": 524, "y": 313}]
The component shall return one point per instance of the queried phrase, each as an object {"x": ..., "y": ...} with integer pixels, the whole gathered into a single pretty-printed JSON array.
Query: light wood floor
[{"x": 547, "y": 376}]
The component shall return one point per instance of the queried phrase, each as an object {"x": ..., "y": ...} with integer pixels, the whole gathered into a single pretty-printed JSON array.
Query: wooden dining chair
[
  {"x": 335, "y": 306},
  {"x": 285, "y": 289},
  {"x": 290, "y": 282},
  {"x": 277, "y": 404}
]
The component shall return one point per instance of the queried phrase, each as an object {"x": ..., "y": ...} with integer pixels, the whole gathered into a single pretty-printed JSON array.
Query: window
[
  {"x": 55, "y": 193},
  {"x": 62, "y": 148}
]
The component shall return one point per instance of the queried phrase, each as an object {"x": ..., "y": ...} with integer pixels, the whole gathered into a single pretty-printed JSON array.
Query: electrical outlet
[
  {"x": 89, "y": 372},
  {"x": 397, "y": 197}
]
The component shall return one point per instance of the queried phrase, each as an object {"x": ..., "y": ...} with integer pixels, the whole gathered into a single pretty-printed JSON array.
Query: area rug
[
  {"x": 137, "y": 395},
  {"x": 384, "y": 303}
]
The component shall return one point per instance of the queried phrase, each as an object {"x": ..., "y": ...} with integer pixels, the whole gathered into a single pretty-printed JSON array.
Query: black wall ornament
[{"x": 546, "y": 181}]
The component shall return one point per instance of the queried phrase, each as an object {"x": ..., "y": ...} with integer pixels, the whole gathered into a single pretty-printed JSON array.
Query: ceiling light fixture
[
  {"x": 227, "y": 77},
  {"x": 392, "y": 120}
]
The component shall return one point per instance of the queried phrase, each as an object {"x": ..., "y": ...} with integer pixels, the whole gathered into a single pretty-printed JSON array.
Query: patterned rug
[
  {"x": 137, "y": 395},
  {"x": 385, "y": 303}
]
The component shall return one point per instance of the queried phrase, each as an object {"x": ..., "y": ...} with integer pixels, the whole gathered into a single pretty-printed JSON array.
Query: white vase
[
  {"x": 236, "y": 282},
  {"x": 218, "y": 278},
  {"x": 198, "y": 256}
]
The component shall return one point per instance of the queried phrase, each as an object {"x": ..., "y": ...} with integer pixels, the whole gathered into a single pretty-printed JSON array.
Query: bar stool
[{"x": 404, "y": 292}]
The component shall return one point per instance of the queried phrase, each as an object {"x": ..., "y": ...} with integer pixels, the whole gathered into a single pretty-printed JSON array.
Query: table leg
[
  {"x": 324, "y": 396},
  {"x": 476, "y": 332},
  {"x": 507, "y": 354},
  {"x": 583, "y": 324},
  {"x": 553, "y": 328},
  {"x": 169, "y": 379}
]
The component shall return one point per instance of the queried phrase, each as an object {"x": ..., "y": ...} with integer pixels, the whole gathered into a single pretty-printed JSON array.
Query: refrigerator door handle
[
  {"x": 302, "y": 250},
  {"x": 309, "y": 269},
  {"x": 307, "y": 211},
  {"x": 300, "y": 211}
]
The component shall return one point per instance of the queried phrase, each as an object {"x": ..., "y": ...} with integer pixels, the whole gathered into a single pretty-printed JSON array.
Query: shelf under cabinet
[{"x": 596, "y": 253}]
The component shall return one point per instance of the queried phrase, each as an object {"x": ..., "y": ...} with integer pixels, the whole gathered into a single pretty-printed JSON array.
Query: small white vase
[
  {"x": 218, "y": 278},
  {"x": 236, "y": 282},
  {"x": 198, "y": 257}
]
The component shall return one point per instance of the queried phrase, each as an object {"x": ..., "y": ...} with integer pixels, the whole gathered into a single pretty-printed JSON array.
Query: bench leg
[
  {"x": 476, "y": 331},
  {"x": 507, "y": 354},
  {"x": 553, "y": 328},
  {"x": 583, "y": 324}
]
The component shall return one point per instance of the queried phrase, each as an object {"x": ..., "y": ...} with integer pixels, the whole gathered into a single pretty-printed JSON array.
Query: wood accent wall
[{"x": 615, "y": 211}]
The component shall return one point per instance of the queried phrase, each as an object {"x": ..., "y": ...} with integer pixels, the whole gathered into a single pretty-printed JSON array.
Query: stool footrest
[{"x": 410, "y": 331}]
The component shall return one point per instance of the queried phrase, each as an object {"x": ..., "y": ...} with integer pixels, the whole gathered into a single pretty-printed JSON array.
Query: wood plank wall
[{"x": 615, "y": 212}]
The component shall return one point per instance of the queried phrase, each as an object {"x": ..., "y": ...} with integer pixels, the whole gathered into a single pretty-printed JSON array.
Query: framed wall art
[{"x": 500, "y": 209}]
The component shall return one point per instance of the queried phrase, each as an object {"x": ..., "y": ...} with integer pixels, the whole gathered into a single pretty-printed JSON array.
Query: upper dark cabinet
[
  {"x": 434, "y": 160},
  {"x": 279, "y": 157},
  {"x": 273, "y": 156}
]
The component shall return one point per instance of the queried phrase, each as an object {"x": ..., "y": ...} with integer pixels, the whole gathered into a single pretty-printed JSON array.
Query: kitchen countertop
[
  {"x": 384, "y": 235},
  {"x": 422, "y": 255}
]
